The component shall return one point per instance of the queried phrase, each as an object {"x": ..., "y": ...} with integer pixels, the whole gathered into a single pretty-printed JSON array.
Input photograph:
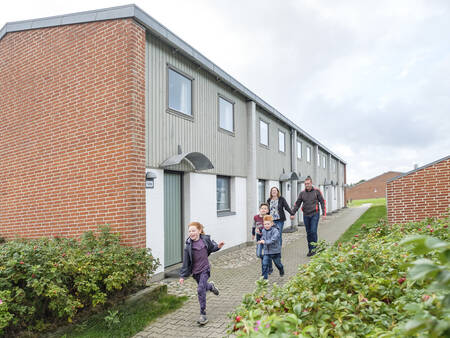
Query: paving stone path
[{"x": 234, "y": 274}]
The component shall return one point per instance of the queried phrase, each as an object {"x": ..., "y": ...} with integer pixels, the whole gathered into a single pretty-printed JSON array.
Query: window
[
  {"x": 281, "y": 144},
  {"x": 335, "y": 192},
  {"x": 223, "y": 193},
  {"x": 318, "y": 160},
  {"x": 334, "y": 165},
  {"x": 180, "y": 92},
  {"x": 299, "y": 150},
  {"x": 261, "y": 192},
  {"x": 324, "y": 161},
  {"x": 308, "y": 154},
  {"x": 263, "y": 133},
  {"x": 226, "y": 114}
]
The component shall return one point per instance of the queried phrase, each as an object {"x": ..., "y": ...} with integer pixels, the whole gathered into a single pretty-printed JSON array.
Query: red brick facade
[
  {"x": 422, "y": 193},
  {"x": 373, "y": 188},
  {"x": 72, "y": 145}
]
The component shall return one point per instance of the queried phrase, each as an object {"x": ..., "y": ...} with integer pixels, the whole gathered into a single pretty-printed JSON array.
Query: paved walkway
[{"x": 234, "y": 274}]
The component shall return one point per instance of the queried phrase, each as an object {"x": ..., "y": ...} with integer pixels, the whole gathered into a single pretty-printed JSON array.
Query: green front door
[{"x": 173, "y": 235}]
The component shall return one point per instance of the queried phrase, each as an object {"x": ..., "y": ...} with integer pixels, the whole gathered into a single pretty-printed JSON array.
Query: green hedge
[
  {"x": 43, "y": 281},
  {"x": 357, "y": 289}
]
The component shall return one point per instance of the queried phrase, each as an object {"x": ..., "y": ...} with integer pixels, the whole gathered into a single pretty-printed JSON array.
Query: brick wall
[
  {"x": 72, "y": 145},
  {"x": 420, "y": 194},
  {"x": 373, "y": 188}
]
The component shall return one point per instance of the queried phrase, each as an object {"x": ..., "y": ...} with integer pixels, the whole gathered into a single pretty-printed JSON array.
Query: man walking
[{"x": 310, "y": 198}]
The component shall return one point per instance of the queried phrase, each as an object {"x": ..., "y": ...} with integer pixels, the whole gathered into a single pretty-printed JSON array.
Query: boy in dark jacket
[
  {"x": 272, "y": 247},
  {"x": 195, "y": 261}
]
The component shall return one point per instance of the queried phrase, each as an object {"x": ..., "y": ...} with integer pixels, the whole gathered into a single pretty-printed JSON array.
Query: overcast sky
[{"x": 368, "y": 79}]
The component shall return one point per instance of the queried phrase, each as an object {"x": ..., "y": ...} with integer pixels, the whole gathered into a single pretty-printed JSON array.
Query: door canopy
[
  {"x": 197, "y": 160},
  {"x": 291, "y": 176}
]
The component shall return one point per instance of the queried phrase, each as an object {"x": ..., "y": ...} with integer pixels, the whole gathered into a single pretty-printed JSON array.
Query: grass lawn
[
  {"x": 374, "y": 201},
  {"x": 123, "y": 320},
  {"x": 371, "y": 216}
]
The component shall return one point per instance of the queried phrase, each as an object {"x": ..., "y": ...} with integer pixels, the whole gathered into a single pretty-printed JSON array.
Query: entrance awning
[
  {"x": 197, "y": 160},
  {"x": 292, "y": 176},
  {"x": 325, "y": 182}
]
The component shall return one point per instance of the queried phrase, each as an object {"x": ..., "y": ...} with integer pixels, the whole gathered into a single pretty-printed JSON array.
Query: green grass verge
[
  {"x": 371, "y": 216},
  {"x": 374, "y": 201},
  {"x": 124, "y": 320}
]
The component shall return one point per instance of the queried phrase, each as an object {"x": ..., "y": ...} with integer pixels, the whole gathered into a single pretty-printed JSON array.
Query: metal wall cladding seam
[
  {"x": 228, "y": 153},
  {"x": 270, "y": 162}
]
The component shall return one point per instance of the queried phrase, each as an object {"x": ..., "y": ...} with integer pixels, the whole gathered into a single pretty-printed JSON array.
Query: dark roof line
[
  {"x": 420, "y": 168},
  {"x": 133, "y": 11}
]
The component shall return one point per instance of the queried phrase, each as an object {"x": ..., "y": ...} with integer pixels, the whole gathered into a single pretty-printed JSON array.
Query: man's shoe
[
  {"x": 202, "y": 320},
  {"x": 309, "y": 254},
  {"x": 282, "y": 273},
  {"x": 214, "y": 289}
]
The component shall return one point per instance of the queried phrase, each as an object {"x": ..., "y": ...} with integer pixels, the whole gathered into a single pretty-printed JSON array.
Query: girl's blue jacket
[{"x": 211, "y": 246}]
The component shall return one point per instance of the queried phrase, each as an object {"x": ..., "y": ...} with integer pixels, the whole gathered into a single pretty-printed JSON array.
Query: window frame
[
  {"x": 299, "y": 147},
  {"x": 223, "y": 97},
  {"x": 308, "y": 154},
  {"x": 264, "y": 191},
  {"x": 268, "y": 133},
  {"x": 224, "y": 211},
  {"x": 280, "y": 132},
  {"x": 172, "y": 110}
]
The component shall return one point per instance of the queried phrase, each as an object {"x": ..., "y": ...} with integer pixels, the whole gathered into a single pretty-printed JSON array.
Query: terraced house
[{"x": 109, "y": 118}]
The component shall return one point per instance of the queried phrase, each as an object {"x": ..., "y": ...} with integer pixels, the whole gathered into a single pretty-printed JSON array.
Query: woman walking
[{"x": 277, "y": 206}]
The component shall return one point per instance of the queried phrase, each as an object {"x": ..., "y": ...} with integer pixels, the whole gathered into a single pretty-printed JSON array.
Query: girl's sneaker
[
  {"x": 214, "y": 289},
  {"x": 202, "y": 320}
]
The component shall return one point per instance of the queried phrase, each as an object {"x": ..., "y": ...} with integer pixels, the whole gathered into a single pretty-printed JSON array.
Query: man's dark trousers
[{"x": 311, "y": 223}]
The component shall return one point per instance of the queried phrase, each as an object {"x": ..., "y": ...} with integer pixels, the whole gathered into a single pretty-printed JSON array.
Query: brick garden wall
[
  {"x": 420, "y": 194},
  {"x": 72, "y": 145},
  {"x": 373, "y": 188}
]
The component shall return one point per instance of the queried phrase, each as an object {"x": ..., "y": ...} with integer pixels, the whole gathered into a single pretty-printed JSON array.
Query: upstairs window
[
  {"x": 299, "y": 150},
  {"x": 281, "y": 141},
  {"x": 308, "y": 154},
  {"x": 226, "y": 115},
  {"x": 263, "y": 133},
  {"x": 180, "y": 92}
]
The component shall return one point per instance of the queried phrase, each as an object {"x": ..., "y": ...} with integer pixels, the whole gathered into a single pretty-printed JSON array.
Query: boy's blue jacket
[
  {"x": 271, "y": 239},
  {"x": 211, "y": 246}
]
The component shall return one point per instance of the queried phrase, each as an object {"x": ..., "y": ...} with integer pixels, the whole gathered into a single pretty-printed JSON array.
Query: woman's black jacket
[{"x": 282, "y": 205}]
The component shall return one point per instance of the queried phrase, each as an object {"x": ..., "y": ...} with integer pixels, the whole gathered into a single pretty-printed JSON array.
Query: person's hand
[
  {"x": 258, "y": 231},
  {"x": 261, "y": 241},
  {"x": 324, "y": 217},
  {"x": 292, "y": 216},
  {"x": 221, "y": 244},
  {"x": 181, "y": 281},
  {"x": 253, "y": 237}
]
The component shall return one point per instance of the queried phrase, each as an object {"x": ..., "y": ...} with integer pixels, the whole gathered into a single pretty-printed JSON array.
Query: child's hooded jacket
[{"x": 211, "y": 246}]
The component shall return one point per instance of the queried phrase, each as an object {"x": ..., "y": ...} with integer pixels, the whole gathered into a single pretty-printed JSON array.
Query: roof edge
[
  {"x": 133, "y": 11},
  {"x": 420, "y": 168}
]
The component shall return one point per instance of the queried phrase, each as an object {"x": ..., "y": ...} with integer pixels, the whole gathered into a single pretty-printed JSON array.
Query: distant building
[
  {"x": 373, "y": 188},
  {"x": 421, "y": 193}
]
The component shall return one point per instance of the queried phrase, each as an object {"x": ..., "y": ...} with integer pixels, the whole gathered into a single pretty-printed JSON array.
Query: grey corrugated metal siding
[
  {"x": 167, "y": 131},
  {"x": 271, "y": 162}
]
